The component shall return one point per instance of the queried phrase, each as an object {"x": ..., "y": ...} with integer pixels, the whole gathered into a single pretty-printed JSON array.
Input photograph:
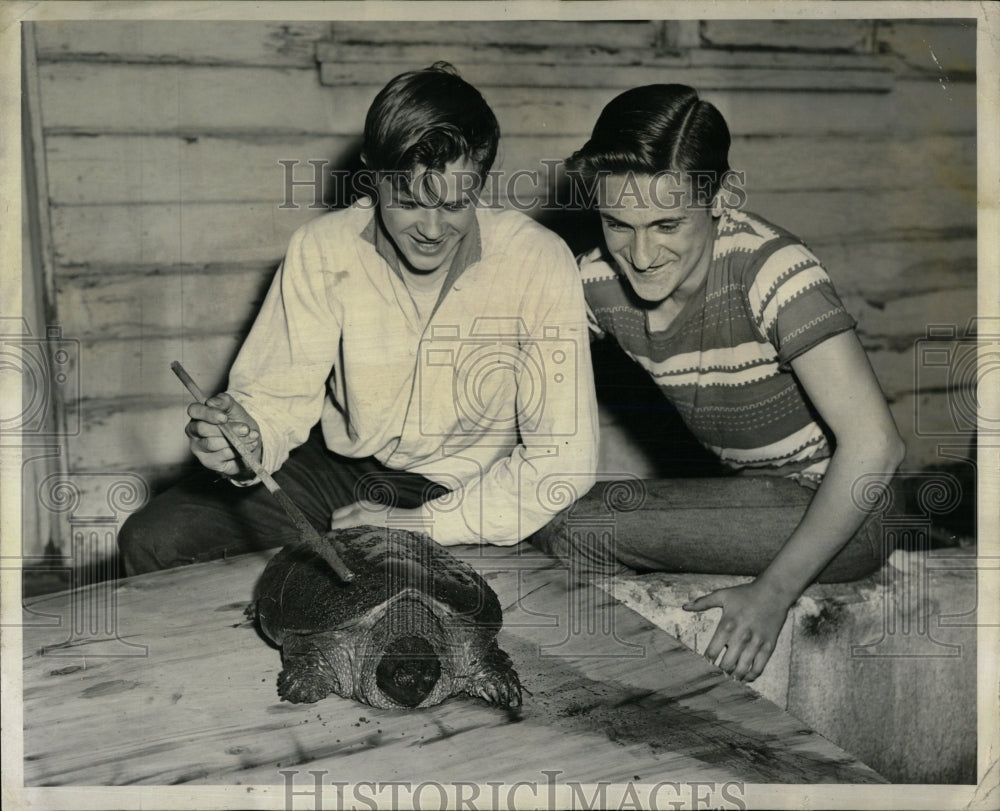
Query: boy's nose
[
  {"x": 644, "y": 253},
  {"x": 429, "y": 224}
]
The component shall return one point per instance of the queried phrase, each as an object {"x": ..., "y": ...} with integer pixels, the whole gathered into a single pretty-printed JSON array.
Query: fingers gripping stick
[{"x": 307, "y": 533}]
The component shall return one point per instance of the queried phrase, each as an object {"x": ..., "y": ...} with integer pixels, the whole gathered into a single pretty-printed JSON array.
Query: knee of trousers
[{"x": 140, "y": 541}]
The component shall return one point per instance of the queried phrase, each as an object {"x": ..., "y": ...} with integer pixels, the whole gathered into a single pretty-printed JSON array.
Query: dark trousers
[
  {"x": 718, "y": 526},
  {"x": 206, "y": 516},
  {"x": 733, "y": 525}
]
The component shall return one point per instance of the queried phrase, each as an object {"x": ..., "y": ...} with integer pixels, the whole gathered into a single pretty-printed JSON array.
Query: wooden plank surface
[
  {"x": 173, "y": 234},
  {"x": 520, "y": 70},
  {"x": 129, "y": 305},
  {"x": 185, "y": 693},
  {"x": 88, "y": 169},
  {"x": 936, "y": 48},
  {"x": 168, "y": 233},
  {"x": 211, "y": 42},
  {"x": 637, "y": 34},
  {"x": 143, "y": 98},
  {"x": 816, "y": 35}
]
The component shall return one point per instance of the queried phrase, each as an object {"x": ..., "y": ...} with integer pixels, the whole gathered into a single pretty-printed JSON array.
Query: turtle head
[
  {"x": 408, "y": 670},
  {"x": 403, "y": 658}
]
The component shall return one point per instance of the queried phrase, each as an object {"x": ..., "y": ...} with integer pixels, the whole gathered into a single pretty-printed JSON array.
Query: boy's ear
[{"x": 717, "y": 205}]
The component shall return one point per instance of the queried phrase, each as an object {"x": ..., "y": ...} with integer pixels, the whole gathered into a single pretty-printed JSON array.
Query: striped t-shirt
[{"x": 724, "y": 360}]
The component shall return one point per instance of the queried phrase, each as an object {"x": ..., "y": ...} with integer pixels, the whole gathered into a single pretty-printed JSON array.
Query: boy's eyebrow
[{"x": 661, "y": 221}]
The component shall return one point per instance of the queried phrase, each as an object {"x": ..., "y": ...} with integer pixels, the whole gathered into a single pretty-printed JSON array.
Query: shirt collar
[{"x": 469, "y": 251}]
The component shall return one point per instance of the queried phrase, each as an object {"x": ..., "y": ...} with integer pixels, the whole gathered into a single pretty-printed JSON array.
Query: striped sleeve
[
  {"x": 593, "y": 271},
  {"x": 794, "y": 304}
]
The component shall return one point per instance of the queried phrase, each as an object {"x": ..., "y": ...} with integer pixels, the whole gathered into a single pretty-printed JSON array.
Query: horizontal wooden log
[
  {"x": 465, "y": 54},
  {"x": 130, "y": 368},
  {"x": 130, "y": 305},
  {"x": 900, "y": 372},
  {"x": 92, "y": 99},
  {"x": 124, "y": 432},
  {"x": 528, "y": 33},
  {"x": 815, "y": 35},
  {"x": 880, "y": 270},
  {"x": 908, "y": 317},
  {"x": 913, "y": 107},
  {"x": 195, "y": 99},
  {"x": 171, "y": 169},
  {"x": 923, "y": 162},
  {"x": 561, "y": 68},
  {"x": 173, "y": 234},
  {"x": 943, "y": 49},
  {"x": 826, "y": 215},
  {"x": 217, "y": 232},
  {"x": 167, "y": 169},
  {"x": 206, "y": 42},
  {"x": 935, "y": 427},
  {"x": 222, "y": 232}
]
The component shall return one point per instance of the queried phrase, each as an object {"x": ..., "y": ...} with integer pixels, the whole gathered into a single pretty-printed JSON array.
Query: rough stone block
[{"x": 884, "y": 667}]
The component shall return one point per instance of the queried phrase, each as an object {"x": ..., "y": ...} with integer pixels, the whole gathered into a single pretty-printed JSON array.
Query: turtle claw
[
  {"x": 301, "y": 686},
  {"x": 499, "y": 688}
]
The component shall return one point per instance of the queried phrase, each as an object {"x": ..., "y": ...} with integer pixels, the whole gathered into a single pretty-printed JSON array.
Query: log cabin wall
[{"x": 162, "y": 142}]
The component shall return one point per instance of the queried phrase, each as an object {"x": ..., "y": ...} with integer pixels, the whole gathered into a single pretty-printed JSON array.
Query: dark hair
[
  {"x": 657, "y": 128},
  {"x": 430, "y": 117}
]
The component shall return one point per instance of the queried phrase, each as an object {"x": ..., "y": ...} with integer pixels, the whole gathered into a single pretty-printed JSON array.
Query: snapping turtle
[{"x": 415, "y": 626}]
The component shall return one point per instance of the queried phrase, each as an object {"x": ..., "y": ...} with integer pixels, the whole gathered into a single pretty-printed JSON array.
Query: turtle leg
[
  {"x": 496, "y": 680},
  {"x": 306, "y": 677}
]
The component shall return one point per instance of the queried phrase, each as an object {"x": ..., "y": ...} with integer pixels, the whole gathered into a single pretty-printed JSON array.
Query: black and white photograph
[{"x": 500, "y": 405}]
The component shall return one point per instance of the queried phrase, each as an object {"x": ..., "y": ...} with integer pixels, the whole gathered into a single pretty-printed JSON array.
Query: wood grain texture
[
  {"x": 933, "y": 48},
  {"x": 195, "y": 100},
  {"x": 880, "y": 268},
  {"x": 217, "y": 232},
  {"x": 568, "y": 68},
  {"x": 125, "y": 431},
  {"x": 811, "y": 35},
  {"x": 209, "y": 42},
  {"x": 85, "y": 170},
  {"x": 88, "y": 170},
  {"x": 139, "y": 366},
  {"x": 612, "y": 699},
  {"x": 526, "y": 33},
  {"x": 171, "y": 234},
  {"x": 102, "y": 305}
]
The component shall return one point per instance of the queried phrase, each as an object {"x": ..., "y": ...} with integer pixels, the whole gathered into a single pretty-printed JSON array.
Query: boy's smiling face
[
  {"x": 660, "y": 239},
  {"x": 428, "y": 218}
]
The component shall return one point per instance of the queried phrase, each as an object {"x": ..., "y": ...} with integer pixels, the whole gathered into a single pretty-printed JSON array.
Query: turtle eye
[{"x": 408, "y": 670}]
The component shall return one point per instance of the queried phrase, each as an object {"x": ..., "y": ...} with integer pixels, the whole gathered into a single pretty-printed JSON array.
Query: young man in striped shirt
[{"x": 739, "y": 326}]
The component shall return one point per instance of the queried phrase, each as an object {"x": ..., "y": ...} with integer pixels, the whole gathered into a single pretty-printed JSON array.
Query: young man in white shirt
[{"x": 418, "y": 362}]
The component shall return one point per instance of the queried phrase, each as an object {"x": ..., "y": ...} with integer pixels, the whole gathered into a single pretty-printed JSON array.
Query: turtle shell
[
  {"x": 414, "y": 627},
  {"x": 299, "y": 593}
]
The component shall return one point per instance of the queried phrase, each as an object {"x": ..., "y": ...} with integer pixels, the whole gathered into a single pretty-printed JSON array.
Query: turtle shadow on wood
[{"x": 415, "y": 627}]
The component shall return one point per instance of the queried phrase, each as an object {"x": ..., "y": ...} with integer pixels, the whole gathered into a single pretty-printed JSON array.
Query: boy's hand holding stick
[{"x": 307, "y": 533}]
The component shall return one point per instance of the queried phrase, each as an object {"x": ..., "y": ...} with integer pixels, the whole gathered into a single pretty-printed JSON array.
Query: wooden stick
[{"x": 307, "y": 532}]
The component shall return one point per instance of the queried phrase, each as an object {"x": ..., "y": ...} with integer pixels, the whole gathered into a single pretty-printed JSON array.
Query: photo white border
[{"x": 986, "y": 795}]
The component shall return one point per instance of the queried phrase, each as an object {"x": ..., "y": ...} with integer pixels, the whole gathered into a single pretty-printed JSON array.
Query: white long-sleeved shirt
[{"x": 492, "y": 397}]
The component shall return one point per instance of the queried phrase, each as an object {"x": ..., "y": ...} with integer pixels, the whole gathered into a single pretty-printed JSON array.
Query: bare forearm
[{"x": 832, "y": 518}]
